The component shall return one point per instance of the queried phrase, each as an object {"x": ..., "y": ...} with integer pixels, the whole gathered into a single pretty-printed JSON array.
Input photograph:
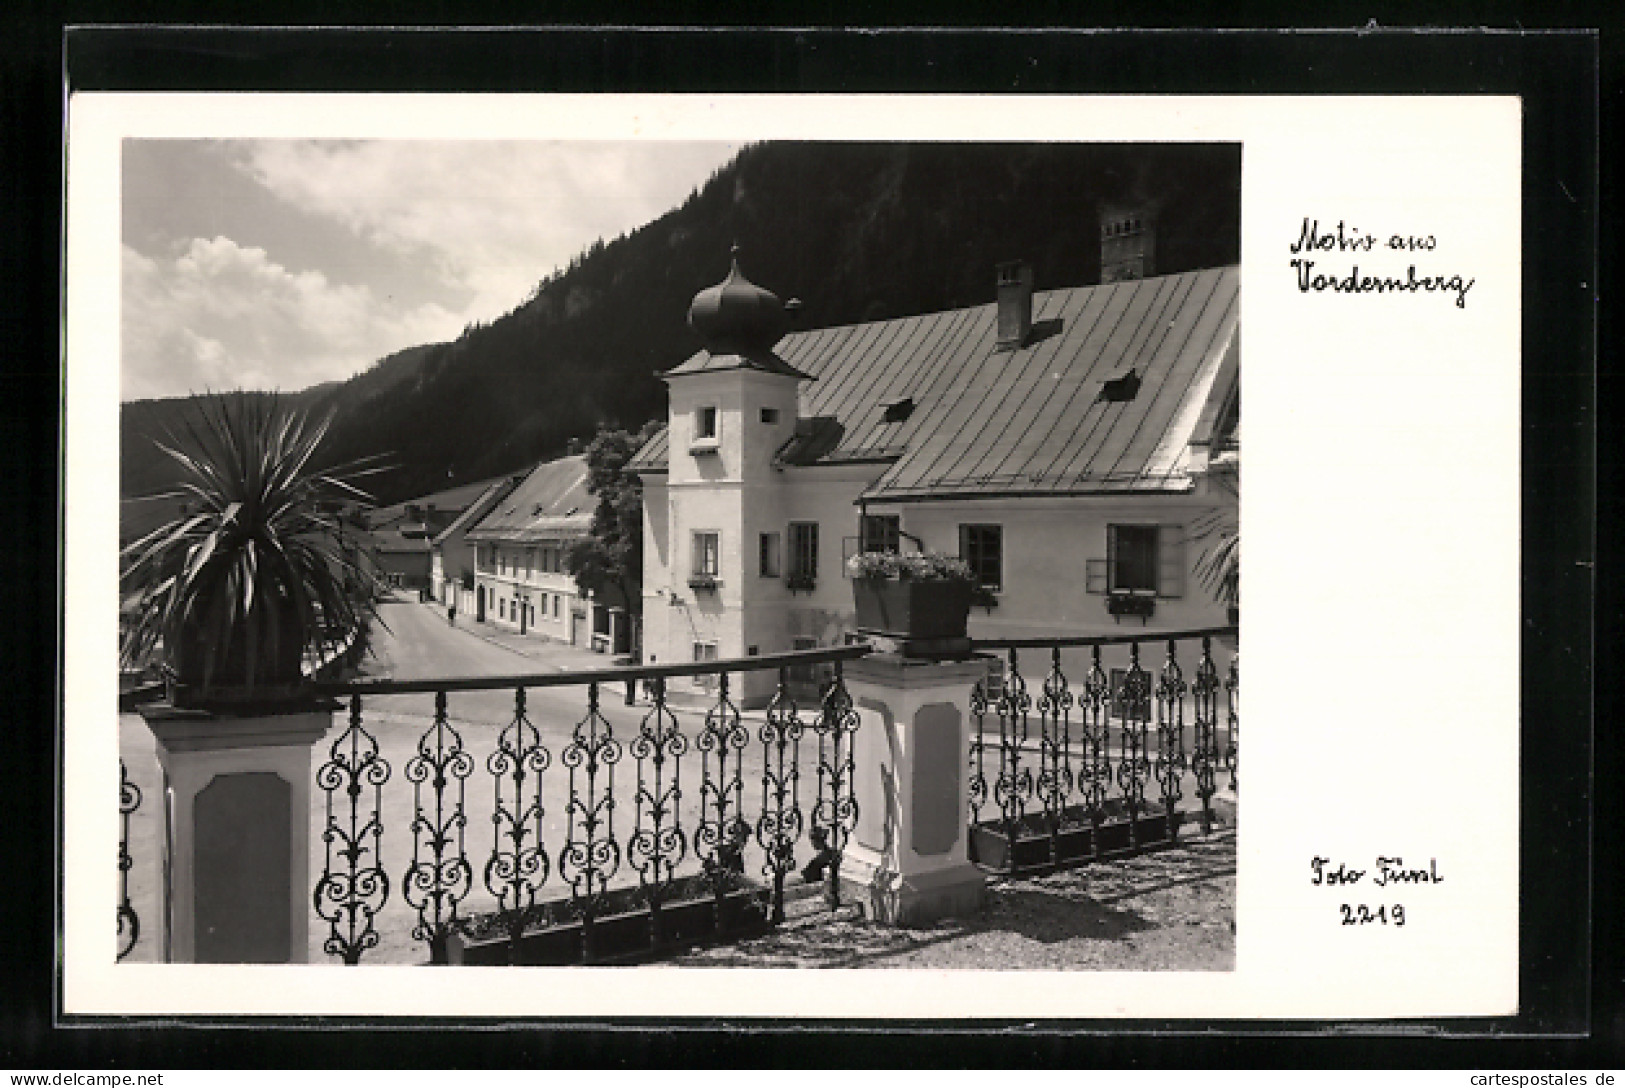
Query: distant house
[
  {"x": 400, "y": 536},
  {"x": 520, "y": 580},
  {"x": 1059, "y": 441},
  {"x": 451, "y": 557}
]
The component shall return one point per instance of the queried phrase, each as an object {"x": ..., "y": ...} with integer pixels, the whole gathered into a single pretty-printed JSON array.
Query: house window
[
  {"x": 804, "y": 552},
  {"x": 706, "y": 549},
  {"x": 768, "y": 555},
  {"x": 705, "y": 651},
  {"x": 880, "y": 532},
  {"x": 982, "y": 548},
  {"x": 1131, "y": 558},
  {"x": 770, "y": 415},
  {"x": 556, "y": 598},
  {"x": 1140, "y": 559},
  {"x": 705, "y": 424},
  {"x": 502, "y": 608}
]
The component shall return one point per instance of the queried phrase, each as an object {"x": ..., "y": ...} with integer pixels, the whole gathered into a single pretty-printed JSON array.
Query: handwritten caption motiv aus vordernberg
[{"x": 1313, "y": 275}]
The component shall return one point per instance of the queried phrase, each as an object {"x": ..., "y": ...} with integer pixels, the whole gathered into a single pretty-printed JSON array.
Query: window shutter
[
  {"x": 1111, "y": 558},
  {"x": 1171, "y": 561},
  {"x": 1095, "y": 576}
]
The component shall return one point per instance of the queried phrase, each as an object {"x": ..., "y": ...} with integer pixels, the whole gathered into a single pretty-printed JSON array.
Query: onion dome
[{"x": 736, "y": 317}]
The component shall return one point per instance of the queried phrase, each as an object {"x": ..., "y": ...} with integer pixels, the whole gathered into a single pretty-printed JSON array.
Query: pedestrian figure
[{"x": 451, "y": 614}]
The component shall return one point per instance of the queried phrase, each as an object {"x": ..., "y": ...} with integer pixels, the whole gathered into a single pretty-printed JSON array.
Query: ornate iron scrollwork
[
  {"x": 1232, "y": 692},
  {"x": 1205, "y": 728},
  {"x": 658, "y": 844},
  {"x": 1014, "y": 785},
  {"x": 779, "y": 827},
  {"x": 353, "y": 887},
  {"x": 722, "y": 833},
  {"x": 1134, "y": 767},
  {"x": 440, "y": 876},
  {"x": 518, "y": 865},
  {"x": 590, "y": 857},
  {"x": 129, "y": 923},
  {"x": 1096, "y": 773},
  {"x": 1170, "y": 762},
  {"x": 977, "y": 786},
  {"x": 835, "y": 815},
  {"x": 1055, "y": 703}
]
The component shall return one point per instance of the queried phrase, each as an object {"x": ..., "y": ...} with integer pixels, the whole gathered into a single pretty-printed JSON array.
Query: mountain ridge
[{"x": 857, "y": 232}]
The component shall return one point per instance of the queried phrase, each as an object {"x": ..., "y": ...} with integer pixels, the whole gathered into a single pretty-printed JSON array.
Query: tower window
[
  {"x": 770, "y": 415},
  {"x": 705, "y": 423}
]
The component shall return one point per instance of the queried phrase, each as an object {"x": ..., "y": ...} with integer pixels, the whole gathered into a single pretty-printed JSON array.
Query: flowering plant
[{"x": 923, "y": 567}]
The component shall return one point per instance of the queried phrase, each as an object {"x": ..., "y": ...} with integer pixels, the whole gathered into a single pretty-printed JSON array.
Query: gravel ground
[{"x": 1172, "y": 910}]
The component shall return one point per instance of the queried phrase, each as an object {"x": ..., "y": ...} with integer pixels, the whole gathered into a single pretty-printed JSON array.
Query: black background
[{"x": 1570, "y": 984}]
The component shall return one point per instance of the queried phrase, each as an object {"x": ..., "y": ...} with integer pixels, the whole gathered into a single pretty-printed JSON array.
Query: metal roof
[
  {"x": 1029, "y": 420},
  {"x": 449, "y": 500},
  {"x": 478, "y": 508},
  {"x": 551, "y": 502}
]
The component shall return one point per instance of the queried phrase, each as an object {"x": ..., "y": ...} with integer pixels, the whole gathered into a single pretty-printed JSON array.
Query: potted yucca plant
[
  {"x": 918, "y": 597},
  {"x": 258, "y": 569}
]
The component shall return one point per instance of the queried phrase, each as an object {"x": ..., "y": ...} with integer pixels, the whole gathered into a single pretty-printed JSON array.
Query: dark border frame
[{"x": 1556, "y": 73}]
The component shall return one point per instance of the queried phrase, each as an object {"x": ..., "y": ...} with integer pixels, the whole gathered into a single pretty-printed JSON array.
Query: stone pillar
[
  {"x": 906, "y": 860},
  {"x": 236, "y": 849}
]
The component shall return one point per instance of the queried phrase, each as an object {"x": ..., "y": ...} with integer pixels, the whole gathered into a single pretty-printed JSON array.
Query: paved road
[{"x": 414, "y": 641}]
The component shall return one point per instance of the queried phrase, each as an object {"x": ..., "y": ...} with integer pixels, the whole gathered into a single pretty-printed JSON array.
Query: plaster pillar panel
[
  {"x": 237, "y": 848},
  {"x": 907, "y": 859}
]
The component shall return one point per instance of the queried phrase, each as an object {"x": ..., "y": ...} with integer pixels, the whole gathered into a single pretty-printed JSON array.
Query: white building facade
[
  {"x": 1068, "y": 444},
  {"x": 521, "y": 581}
]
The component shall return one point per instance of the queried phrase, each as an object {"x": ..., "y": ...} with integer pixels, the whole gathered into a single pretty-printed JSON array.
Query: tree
[
  {"x": 611, "y": 555},
  {"x": 1219, "y": 529}
]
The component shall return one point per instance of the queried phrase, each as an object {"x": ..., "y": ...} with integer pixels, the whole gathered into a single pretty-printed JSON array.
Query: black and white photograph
[
  {"x": 632, "y": 549},
  {"x": 897, "y": 483}
]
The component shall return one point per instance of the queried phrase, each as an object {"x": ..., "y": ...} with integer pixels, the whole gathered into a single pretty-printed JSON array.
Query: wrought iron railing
[
  {"x": 129, "y": 923},
  {"x": 1069, "y": 768},
  {"x": 559, "y": 846}
]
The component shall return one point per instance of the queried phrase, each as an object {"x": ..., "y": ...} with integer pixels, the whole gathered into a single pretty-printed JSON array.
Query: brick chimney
[
  {"x": 1128, "y": 244},
  {"x": 1015, "y": 294}
]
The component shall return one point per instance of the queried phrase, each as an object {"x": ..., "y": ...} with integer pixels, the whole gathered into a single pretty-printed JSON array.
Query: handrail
[
  {"x": 1145, "y": 636},
  {"x": 593, "y": 676}
]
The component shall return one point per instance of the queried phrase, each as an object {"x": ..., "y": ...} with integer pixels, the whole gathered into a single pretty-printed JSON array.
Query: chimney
[
  {"x": 1128, "y": 242},
  {"x": 1015, "y": 295}
]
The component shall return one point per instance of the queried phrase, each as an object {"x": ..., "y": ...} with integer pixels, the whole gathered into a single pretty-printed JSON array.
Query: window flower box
[
  {"x": 702, "y": 581},
  {"x": 911, "y": 597},
  {"x": 797, "y": 583},
  {"x": 1131, "y": 604}
]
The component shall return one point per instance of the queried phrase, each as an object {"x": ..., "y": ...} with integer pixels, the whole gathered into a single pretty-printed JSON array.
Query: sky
[{"x": 281, "y": 264}]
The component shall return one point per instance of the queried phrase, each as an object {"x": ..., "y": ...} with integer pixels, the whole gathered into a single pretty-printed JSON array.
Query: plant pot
[
  {"x": 278, "y": 669},
  {"x": 912, "y": 608}
]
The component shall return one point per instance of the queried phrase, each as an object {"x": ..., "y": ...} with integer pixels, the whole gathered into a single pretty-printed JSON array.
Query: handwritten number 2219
[{"x": 1360, "y": 914}]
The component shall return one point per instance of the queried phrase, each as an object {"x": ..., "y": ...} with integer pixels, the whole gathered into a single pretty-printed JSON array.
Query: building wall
[
  {"x": 1046, "y": 545},
  {"x": 409, "y": 569},
  {"x": 733, "y": 489},
  {"x": 551, "y": 595}
]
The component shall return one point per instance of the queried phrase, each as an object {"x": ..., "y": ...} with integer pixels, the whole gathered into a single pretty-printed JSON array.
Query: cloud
[
  {"x": 218, "y": 315},
  {"x": 491, "y": 217}
]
